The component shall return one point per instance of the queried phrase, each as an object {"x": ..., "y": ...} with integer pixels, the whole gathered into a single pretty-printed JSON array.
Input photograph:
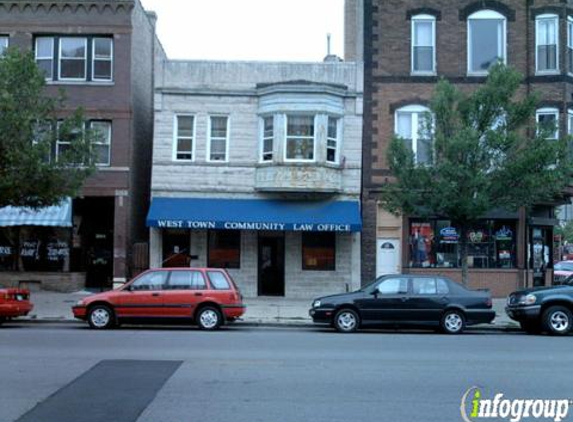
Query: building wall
[{"x": 389, "y": 83}]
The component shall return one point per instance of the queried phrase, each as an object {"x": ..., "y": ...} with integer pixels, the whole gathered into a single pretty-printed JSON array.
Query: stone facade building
[
  {"x": 409, "y": 45},
  {"x": 256, "y": 168},
  {"x": 101, "y": 52}
]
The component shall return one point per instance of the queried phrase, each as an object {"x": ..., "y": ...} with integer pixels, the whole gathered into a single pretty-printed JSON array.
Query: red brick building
[{"x": 408, "y": 46}]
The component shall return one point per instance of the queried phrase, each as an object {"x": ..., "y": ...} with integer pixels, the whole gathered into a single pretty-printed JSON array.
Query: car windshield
[{"x": 564, "y": 266}]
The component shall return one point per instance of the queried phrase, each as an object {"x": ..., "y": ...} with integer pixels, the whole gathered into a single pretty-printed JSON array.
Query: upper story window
[
  {"x": 423, "y": 44},
  {"x": 569, "y": 122},
  {"x": 3, "y": 43},
  {"x": 548, "y": 121},
  {"x": 218, "y": 146},
  {"x": 299, "y": 143},
  {"x": 486, "y": 41},
  {"x": 570, "y": 45},
  {"x": 75, "y": 58},
  {"x": 332, "y": 139},
  {"x": 268, "y": 134},
  {"x": 547, "y": 43},
  {"x": 102, "y": 144},
  {"x": 184, "y": 145},
  {"x": 411, "y": 124}
]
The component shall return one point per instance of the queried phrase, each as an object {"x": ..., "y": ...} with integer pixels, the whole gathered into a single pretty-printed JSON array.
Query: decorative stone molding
[{"x": 87, "y": 6}]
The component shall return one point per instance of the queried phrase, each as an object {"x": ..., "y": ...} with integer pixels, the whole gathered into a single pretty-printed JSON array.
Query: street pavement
[
  {"x": 55, "y": 372},
  {"x": 52, "y": 306}
]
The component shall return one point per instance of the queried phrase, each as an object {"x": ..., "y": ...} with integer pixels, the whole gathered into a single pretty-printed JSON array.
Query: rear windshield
[{"x": 218, "y": 280}]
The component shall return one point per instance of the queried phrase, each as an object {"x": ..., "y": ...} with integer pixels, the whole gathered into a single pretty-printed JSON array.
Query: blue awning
[
  {"x": 54, "y": 216},
  {"x": 255, "y": 214}
]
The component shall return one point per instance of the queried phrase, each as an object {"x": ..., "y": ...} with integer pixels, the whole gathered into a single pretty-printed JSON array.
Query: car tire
[
  {"x": 557, "y": 320},
  {"x": 346, "y": 320},
  {"x": 101, "y": 317},
  {"x": 453, "y": 322},
  {"x": 531, "y": 327},
  {"x": 209, "y": 318}
]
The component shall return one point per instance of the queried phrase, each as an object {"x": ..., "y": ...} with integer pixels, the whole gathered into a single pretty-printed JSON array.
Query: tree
[
  {"x": 30, "y": 174},
  {"x": 485, "y": 154}
]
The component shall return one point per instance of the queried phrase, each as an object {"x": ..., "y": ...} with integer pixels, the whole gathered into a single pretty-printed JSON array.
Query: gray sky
[{"x": 293, "y": 30}]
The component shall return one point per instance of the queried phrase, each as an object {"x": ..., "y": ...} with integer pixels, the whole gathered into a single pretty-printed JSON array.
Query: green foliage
[
  {"x": 29, "y": 172},
  {"x": 486, "y": 154}
]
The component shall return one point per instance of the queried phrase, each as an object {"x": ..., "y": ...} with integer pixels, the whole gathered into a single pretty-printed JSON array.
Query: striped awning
[{"x": 54, "y": 216}]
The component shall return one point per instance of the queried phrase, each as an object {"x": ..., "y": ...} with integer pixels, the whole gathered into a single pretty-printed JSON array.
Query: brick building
[
  {"x": 408, "y": 45},
  {"x": 101, "y": 52}
]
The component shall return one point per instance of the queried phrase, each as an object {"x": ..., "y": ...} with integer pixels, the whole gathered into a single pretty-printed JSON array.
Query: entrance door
[
  {"x": 387, "y": 257},
  {"x": 271, "y": 264}
]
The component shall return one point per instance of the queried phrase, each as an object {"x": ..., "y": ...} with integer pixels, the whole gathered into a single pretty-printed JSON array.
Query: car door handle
[
  {"x": 154, "y": 294},
  {"x": 198, "y": 294}
]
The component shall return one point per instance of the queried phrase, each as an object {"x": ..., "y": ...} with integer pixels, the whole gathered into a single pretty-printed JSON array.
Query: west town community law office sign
[{"x": 229, "y": 225}]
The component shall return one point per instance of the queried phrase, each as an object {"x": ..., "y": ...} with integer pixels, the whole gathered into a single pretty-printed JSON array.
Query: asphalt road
[{"x": 66, "y": 372}]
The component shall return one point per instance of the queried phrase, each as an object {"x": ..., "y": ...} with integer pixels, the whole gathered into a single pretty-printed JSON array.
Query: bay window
[
  {"x": 267, "y": 138},
  {"x": 548, "y": 122},
  {"x": 332, "y": 142},
  {"x": 299, "y": 143},
  {"x": 486, "y": 41}
]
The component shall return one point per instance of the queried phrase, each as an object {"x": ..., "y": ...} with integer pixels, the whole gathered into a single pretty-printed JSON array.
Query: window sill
[
  {"x": 424, "y": 74},
  {"x": 547, "y": 72},
  {"x": 82, "y": 83}
]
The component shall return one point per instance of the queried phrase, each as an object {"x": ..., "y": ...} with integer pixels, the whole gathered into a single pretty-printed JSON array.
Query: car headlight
[
  {"x": 80, "y": 302},
  {"x": 316, "y": 304},
  {"x": 528, "y": 300}
]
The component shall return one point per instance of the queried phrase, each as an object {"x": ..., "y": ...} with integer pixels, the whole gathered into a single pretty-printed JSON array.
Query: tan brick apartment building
[
  {"x": 101, "y": 52},
  {"x": 408, "y": 45}
]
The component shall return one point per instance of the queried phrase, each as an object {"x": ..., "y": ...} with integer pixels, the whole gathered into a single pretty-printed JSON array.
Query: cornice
[{"x": 88, "y": 6}]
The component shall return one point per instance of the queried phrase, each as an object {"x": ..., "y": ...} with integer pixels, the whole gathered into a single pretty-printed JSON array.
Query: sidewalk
[{"x": 56, "y": 307}]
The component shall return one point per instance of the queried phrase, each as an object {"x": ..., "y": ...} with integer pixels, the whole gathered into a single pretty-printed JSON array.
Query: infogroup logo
[{"x": 475, "y": 407}]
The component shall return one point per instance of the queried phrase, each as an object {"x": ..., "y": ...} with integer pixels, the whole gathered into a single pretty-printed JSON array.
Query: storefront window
[
  {"x": 224, "y": 249},
  {"x": 319, "y": 251},
  {"x": 176, "y": 248},
  {"x": 34, "y": 249},
  {"x": 435, "y": 243}
]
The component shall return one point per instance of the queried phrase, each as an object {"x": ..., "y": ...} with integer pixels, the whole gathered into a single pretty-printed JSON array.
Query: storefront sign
[
  {"x": 5, "y": 250},
  {"x": 30, "y": 249},
  {"x": 477, "y": 236},
  {"x": 57, "y": 251},
  {"x": 449, "y": 235},
  {"x": 504, "y": 233},
  {"x": 297, "y": 227}
]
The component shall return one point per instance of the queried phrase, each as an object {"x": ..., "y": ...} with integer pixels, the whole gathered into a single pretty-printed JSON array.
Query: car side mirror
[{"x": 374, "y": 293}]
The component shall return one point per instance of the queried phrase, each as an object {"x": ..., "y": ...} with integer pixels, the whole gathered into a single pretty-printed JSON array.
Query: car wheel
[
  {"x": 453, "y": 322},
  {"x": 346, "y": 321},
  {"x": 101, "y": 317},
  {"x": 557, "y": 320},
  {"x": 209, "y": 318},
  {"x": 531, "y": 327}
]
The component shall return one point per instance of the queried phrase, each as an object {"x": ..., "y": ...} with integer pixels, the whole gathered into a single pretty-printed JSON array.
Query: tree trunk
[{"x": 463, "y": 242}]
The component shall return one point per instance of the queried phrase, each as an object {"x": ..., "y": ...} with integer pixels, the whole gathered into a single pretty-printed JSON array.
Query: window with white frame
[
  {"x": 218, "y": 138},
  {"x": 3, "y": 43},
  {"x": 413, "y": 127},
  {"x": 184, "y": 138},
  {"x": 77, "y": 59},
  {"x": 547, "y": 43},
  {"x": 45, "y": 56},
  {"x": 66, "y": 137},
  {"x": 267, "y": 138},
  {"x": 102, "y": 64},
  {"x": 102, "y": 143},
  {"x": 73, "y": 57},
  {"x": 299, "y": 138},
  {"x": 548, "y": 122},
  {"x": 332, "y": 141},
  {"x": 570, "y": 122},
  {"x": 486, "y": 41},
  {"x": 423, "y": 44},
  {"x": 570, "y": 44}
]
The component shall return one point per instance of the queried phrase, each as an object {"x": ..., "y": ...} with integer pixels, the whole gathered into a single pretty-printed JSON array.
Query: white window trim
[
  {"x": 108, "y": 142},
  {"x": 549, "y": 110},
  {"x": 176, "y": 137},
  {"x": 60, "y": 58},
  {"x": 338, "y": 140},
  {"x": 262, "y": 139},
  {"x": 51, "y": 58},
  {"x": 537, "y": 20},
  {"x": 485, "y": 15},
  {"x": 569, "y": 46},
  {"x": 94, "y": 59},
  {"x": 299, "y": 160},
  {"x": 423, "y": 18},
  {"x": 226, "y": 160},
  {"x": 570, "y": 122},
  {"x": 4, "y": 43},
  {"x": 415, "y": 110}
]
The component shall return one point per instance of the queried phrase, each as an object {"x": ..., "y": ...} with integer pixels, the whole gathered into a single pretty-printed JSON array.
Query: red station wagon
[
  {"x": 14, "y": 303},
  {"x": 207, "y": 297}
]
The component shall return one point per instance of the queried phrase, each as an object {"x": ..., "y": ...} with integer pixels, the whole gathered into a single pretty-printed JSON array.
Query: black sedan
[
  {"x": 418, "y": 300},
  {"x": 548, "y": 309}
]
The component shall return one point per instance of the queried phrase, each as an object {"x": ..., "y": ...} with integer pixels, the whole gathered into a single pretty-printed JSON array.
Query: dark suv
[{"x": 541, "y": 309}]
